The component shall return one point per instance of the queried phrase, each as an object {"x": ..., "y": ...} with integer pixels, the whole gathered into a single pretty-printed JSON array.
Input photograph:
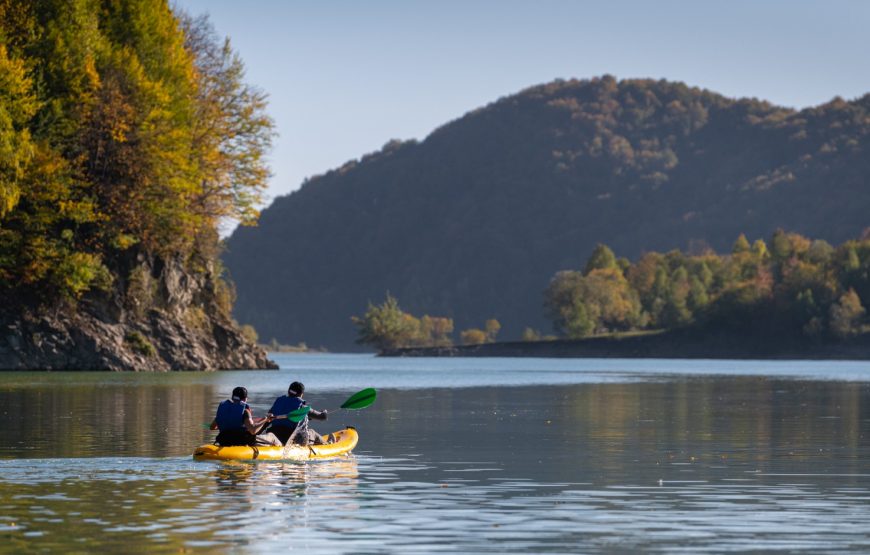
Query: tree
[
  {"x": 115, "y": 131},
  {"x": 601, "y": 301},
  {"x": 845, "y": 315},
  {"x": 602, "y": 258},
  {"x": 231, "y": 131},
  {"x": 385, "y": 326},
  {"x": 759, "y": 250},
  {"x": 435, "y": 331},
  {"x": 741, "y": 245},
  {"x": 473, "y": 336},
  {"x": 17, "y": 106},
  {"x": 491, "y": 327},
  {"x": 780, "y": 246},
  {"x": 675, "y": 311},
  {"x": 698, "y": 297}
]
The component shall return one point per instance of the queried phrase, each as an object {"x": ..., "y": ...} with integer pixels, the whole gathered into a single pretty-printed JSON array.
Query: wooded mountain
[{"x": 472, "y": 222}]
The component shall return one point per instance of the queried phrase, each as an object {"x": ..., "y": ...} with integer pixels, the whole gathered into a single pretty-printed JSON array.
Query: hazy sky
[{"x": 345, "y": 77}]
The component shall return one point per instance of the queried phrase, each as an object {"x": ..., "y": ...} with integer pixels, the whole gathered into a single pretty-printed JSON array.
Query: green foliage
[
  {"x": 602, "y": 258},
  {"x": 387, "y": 326},
  {"x": 80, "y": 272},
  {"x": 112, "y": 135},
  {"x": 846, "y": 314},
  {"x": 17, "y": 107},
  {"x": 140, "y": 344},
  {"x": 741, "y": 245},
  {"x": 803, "y": 287},
  {"x": 601, "y": 301}
]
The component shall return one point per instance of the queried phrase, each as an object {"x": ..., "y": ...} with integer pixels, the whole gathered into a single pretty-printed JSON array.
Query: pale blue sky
[{"x": 344, "y": 77}]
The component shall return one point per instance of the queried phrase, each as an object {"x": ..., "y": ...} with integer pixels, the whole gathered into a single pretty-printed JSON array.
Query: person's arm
[
  {"x": 252, "y": 426},
  {"x": 213, "y": 425},
  {"x": 318, "y": 414}
]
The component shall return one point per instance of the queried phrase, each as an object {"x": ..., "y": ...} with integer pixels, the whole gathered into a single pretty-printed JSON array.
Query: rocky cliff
[{"x": 159, "y": 315}]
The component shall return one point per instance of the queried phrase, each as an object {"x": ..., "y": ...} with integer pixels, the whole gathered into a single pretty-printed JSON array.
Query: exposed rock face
[{"x": 159, "y": 316}]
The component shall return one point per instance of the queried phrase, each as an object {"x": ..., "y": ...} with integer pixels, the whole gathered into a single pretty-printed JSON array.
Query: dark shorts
[
  {"x": 281, "y": 432},
  {"x": 228, "y": 438}
]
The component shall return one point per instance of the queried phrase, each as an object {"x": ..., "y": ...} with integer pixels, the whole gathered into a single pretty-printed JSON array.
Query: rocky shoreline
[
  {"x": 159, "y": 316},
  {"x": 677, "y": 344}
]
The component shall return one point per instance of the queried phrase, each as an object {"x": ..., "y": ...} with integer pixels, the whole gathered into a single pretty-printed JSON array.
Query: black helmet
[
  {"x": 240, "y": 393},
  {"x": 296, "y": 389}
]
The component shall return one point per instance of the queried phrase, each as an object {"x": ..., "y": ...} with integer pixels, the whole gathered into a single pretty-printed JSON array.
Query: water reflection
[
  {"x": 691, "y": 463},
  {"x": 70, "y": 421}
]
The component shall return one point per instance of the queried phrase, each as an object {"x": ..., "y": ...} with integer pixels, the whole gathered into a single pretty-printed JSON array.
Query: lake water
[{"x": 456, "y": 456}]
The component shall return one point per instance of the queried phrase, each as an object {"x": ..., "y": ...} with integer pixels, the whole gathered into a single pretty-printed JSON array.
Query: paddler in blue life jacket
[
  {"x": 284, "y": 428},
  {"x": 237, "y": 425}
]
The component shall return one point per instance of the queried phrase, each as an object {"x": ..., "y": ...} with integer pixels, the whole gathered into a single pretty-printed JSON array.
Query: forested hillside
[
  {"x": 472, "y": 222},
  {"x": 127, "y": 135}
]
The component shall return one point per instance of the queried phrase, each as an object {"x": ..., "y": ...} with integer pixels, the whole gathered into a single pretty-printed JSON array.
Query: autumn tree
[
  {"x": 231, "y": 131},
  {"x": 602, "y": 258},
  {"x": 741, "y": 245},
  {"x": 491, "y": 328},
  {"x": 473, "y": 336},
  {"x": 119, "y": 127},
  {"x": 385, "y": 326},
  {"x": 846, "y": 315},
  {"x": 434, "y": 331}
]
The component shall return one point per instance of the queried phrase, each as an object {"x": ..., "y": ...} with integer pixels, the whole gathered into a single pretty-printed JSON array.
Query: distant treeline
[
  {"x": 387, "y": 326},
  {"x": 788, "y": 287},
  {"x": 791, "y": 285}
]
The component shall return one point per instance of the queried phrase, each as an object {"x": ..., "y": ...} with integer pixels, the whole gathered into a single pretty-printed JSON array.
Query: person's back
[
  {"x": 235, "y": 421},
  {"x": 284, "y": 428},
  {"x": 230, "y": 420}
]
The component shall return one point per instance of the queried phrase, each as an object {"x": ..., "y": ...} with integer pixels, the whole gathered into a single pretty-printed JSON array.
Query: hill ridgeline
[{"x": 472, "y": 222}]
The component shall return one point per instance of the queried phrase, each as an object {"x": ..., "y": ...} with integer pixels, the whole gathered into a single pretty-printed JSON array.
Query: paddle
[
  {"x": 296, "y": 415},
  {"x": 360, "y": 399},
  {"x": 357, "y": 401}
]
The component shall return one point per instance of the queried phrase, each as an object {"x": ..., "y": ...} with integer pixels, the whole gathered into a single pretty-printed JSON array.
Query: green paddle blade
[
  {"x": 298, "y": 414},
  {"x": 361, "y": 399}
]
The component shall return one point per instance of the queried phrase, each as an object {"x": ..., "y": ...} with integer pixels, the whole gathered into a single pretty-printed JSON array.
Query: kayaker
[
  {"x": 284, "y": 428},
  {"x": 237, "y": 425}
]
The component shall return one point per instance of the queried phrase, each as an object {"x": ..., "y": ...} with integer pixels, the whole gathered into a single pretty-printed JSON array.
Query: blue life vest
[
  {"x": 285, "y": 405},
  {"x": 231, "y": 416}
]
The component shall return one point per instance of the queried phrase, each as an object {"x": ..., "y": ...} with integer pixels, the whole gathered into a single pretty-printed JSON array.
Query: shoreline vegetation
[
  {"x": 666, "y": 345},
  {"x": 301, "y": 348},
  {"x": 797, "y": 298},
  {"x": 128, "y": 137}
]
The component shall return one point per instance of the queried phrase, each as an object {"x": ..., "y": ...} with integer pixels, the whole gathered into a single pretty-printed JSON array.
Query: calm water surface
[{"x": 457, "y": 455}]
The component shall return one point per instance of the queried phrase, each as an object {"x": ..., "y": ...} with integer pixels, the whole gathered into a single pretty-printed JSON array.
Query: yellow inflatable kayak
[{"x": 343, "y": 443}]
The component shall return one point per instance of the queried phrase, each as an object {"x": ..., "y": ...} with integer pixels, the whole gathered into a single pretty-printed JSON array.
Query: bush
[
  {"x": 140, "y": 344},
  {"x": 473, "y": 336},
  {"x": 249, "y": 333}
]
